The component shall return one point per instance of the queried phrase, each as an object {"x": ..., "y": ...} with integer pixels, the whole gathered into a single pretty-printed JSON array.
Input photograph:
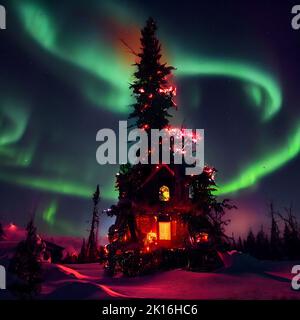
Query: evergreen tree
[
  {"x": 240, "y": 245},
  {"x": 26, "y": 265},
  {"x": 2, "y": 233},
  {"x": 83, "y": 253},
  {"x": 154, "y": 99},
  {"x": 92, "y": 245},
  {"x": 250, "y": 243},
  {"x": 291, "y": 235},
  {"x": 208, "y": 209},
  {"x": 275, "y": 242},
  {"x": 154, "y": 96},
  {"x": 287, "y": 235},
  {"x": 262, "y": 245}
]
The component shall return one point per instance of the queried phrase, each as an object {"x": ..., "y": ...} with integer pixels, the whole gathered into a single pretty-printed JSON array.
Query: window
[
  {"x": 201, "y": 237},
  {"x": 164, "y": 230},
  {"x": 164, "y": 193}
]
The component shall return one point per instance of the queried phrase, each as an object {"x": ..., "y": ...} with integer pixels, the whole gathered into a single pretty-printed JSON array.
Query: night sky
[{"x": 65, "y": 74}]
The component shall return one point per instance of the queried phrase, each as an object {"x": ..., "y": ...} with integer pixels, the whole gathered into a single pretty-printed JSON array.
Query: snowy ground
[{"x": 243, "y": 277}]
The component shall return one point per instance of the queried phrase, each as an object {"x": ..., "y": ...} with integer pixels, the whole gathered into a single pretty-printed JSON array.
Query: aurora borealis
[{"x": 65, "y": 75}]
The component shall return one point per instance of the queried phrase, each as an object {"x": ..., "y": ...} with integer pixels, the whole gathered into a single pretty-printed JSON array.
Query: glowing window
[
  {"x": 201, "y": 237},
  {"x": 164, "y": 193},
  {"x": 164, "y": 230}
]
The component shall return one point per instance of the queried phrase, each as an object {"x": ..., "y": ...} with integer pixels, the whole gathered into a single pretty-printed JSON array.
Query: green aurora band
[
  {"x": 88, "y": 57},
  {"x": 49, "y": 212},
  {"x": 43, "y": 28},
  {"x": 201, "y": 66},
  {"x": 17, "y": 116},
  {"x": 95, "y": 58},
  {"x": 260, "y": 168},
  {"x": 14, "y": 118},
  {"x": 57, "y": 226},
  {"x": 56, "y": 185}
]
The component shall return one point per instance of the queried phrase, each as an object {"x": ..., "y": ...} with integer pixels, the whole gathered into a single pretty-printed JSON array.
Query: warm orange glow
[
  {"x": 164, "y": 230},
  {"x": 164, "y": 193},
  {"x": 202, "y": 237},
  {"x": 151, "y": 236}
]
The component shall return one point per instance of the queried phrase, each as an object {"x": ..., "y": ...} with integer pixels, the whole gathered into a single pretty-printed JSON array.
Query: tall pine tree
[
  {"x": 83, "y": 254},
  {"x": 291, "y": 236},
  {"x": 92, "y": 245},
  {"x": 275, "y": 241},
  {"x": 153, "y": 100},
  {"x": 153, "y": 94},
  {"x": 240, "y": 245},
  {"x": 250, "y": 243},
  {"x": 208, "y": 209},
  {"x": 262, "y": 245},
  {"x": 26, "y": 265}
]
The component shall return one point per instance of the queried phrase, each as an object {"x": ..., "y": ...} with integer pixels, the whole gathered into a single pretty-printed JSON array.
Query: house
[
  {"x": 152, "y": 215},
  {"x": 53, "y": 251}
]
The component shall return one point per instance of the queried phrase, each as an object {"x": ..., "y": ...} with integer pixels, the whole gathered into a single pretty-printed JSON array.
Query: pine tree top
[
  {"x": 96, "y": 195},
  {"x": 153, "y": 93}
]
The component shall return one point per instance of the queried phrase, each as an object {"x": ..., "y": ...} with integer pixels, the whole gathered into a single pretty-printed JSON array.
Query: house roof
[
  {"x": 155, "y": 171},
  {"x": 53, "y": 245}
]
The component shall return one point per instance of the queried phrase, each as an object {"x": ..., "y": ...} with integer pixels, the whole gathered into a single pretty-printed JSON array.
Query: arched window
[{"x": 164, "y": 193}]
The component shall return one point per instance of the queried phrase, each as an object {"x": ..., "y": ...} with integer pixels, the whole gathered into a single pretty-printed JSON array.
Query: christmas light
[
  {"x": 151, "y": 236},
  {"x": 164, "y": 194},
  {"x": 12, "y": 227}
]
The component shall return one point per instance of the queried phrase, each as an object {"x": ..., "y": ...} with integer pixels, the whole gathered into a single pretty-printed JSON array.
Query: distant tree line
[{"x": 280, "y": 244}]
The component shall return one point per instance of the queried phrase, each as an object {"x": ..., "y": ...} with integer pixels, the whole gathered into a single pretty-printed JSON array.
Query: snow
[{"x": 242, "y": 277}]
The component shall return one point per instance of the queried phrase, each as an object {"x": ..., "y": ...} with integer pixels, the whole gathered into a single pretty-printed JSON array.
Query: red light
[{"x": 12, "y": 227}]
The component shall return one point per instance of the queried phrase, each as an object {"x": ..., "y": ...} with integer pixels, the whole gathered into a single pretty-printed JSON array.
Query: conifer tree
[
  {"x": 275, "y": 241},
  {"x": 291, "y": 235},
  {"x": 153, "y": 99},
  {"x": 240, "y": 245},
  {"x": 83, "y": 254},
  {"x": 262, "y": 245},
  {"x": 209, "y": 211},
  {"x": 92, "y": 245},
  {"x": 26, "y": 265},
  {"x": 153, "y": 94},
  {"x": 250, "y": 243}
]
